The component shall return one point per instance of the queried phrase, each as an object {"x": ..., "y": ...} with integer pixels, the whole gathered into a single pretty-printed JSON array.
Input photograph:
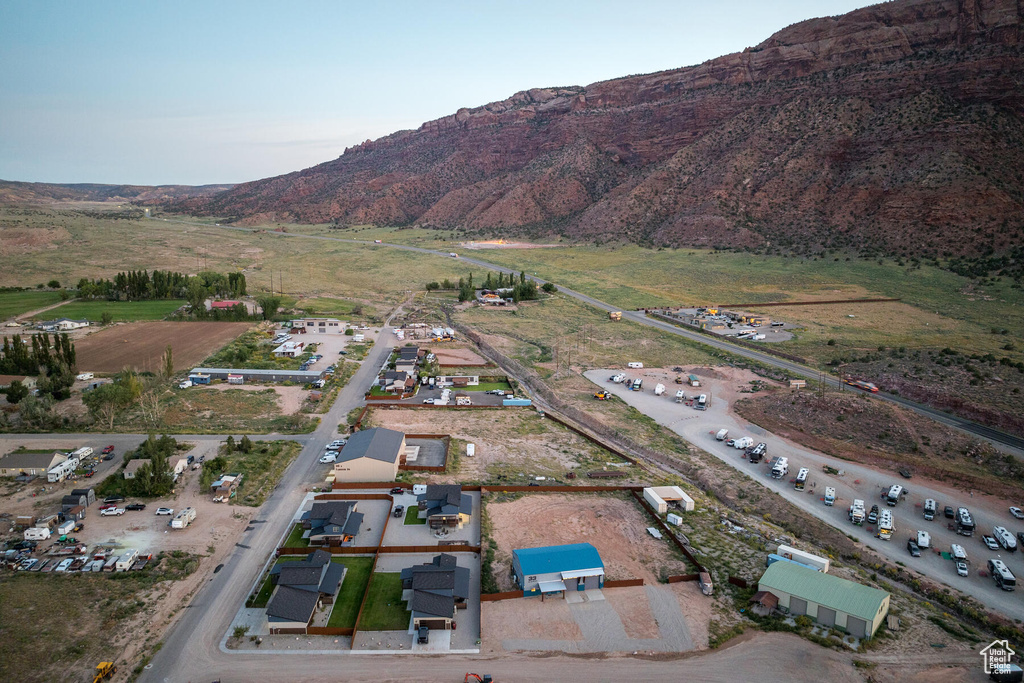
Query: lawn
[
  {"x": 119, "y": 310},
  {"x": 15, "y": 303},
  {"x": 350, "y": 597},
  {"x": 412, "y": 515},
  {"x": 330, "y": 307},
  {"x": 384, "y": 609},
  {"x": 491, "y": 386},
  {"x": 295, "y": 539}
]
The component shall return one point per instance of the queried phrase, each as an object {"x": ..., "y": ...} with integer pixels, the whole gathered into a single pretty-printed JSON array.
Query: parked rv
[
  {"x": 780, "y": 468},
  {"x": 964, "y": 522},
  {"x": 929, "y": 509},
  {"x": 743, "y": 442},
  {"x": 1005, "y": 539},
  {"x": 659, "y": 389},
  {"x": 893, "y": 496},
  {"x": 801, "y": 478},
  {"x": 702, "y": 402},
  {"x": 722, "y": 434},
  {"x": 856, "y": 512},
  {"x": 830, "y": 496}
]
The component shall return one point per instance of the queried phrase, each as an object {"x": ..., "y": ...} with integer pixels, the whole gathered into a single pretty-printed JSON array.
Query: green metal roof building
[{"x": 829, "y": 600}]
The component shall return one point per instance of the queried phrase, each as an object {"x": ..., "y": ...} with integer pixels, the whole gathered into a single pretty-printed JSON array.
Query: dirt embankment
[{"x": 849, "y": 425}]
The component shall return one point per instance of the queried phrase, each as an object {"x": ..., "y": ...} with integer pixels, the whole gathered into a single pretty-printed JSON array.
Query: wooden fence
[
  {"x": 499, "y": 488},
  {"x": 679, "y": 578},
  {"x": 355, "y": 496},
  {"x": 333, "y": 550},
  {"x": 429, "y": 549},
  {"x": 329, "y": 631},
  {"x": 494, "y": 597},
  {"x": 623, "y": 583},
  {"x": 737, "y": 581}
]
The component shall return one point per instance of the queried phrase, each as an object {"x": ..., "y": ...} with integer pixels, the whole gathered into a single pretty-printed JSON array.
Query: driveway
[
  {"x": 859, "y": 482},
  {"x": 399, "y": 533},
  {"x": 602, "y": 629}
]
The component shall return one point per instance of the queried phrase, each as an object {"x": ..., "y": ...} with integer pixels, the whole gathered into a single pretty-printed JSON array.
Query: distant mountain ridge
[
  {"x": 894, "y": 129},
  {"x": 13, "y": 192}
]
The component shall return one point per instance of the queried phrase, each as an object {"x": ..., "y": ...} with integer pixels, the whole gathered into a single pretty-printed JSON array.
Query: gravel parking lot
[{"x": 858, "y": 482}]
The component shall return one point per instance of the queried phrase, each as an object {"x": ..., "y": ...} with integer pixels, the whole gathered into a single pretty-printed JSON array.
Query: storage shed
[
  {"x": 829, "y": 600},
  {"x": 557, "y": 568},
  {"x": 659, "y": 498}
]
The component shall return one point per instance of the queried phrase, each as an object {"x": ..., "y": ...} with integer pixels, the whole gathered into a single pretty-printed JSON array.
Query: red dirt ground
[{"x": 140, "y": 345}]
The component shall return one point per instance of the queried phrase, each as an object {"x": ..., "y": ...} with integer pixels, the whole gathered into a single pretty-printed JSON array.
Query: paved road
[
  {"x": 190, "y": 649},
  {"x": 860, "y": 482},
  {"x": 1007, "y": 442}
]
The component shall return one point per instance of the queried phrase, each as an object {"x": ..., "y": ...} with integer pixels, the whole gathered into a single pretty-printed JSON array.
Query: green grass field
[
  {"x": 330, "y": 307},
  {"x": 350, "y": 597},
  {"x": 384, "y": 609},
  {"x": 295, "y": 539},
  {"x": 939, "y": 308},
  {"x": 412, "y": 515},
  {"x": 119, "y": 310},
  {"x": 15, "y": 303}
]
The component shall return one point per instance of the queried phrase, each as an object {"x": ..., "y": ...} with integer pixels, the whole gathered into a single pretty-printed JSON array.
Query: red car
[
  {"x": 106, "y": 506},
  {"x": 108, "y": 449},
  {"x": 90, "y": 473}
]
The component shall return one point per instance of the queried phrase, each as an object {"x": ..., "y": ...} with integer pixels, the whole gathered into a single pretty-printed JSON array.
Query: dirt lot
[
  {"x": 455, "y": 356},
  {"x": 511, "y": 445},
  {"x": 525, "y": 618},
  {"x": 614, "y": 525},
  {"x": 887, "y": 437},
  {"x": 140, "y": 345},
  {"x": 289, "y": 398}
]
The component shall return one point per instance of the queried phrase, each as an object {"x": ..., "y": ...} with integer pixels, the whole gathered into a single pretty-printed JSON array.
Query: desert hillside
[{"x": 893, "y": 129}]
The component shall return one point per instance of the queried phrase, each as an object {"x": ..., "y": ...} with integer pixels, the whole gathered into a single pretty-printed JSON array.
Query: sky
[{"x": 193, "y": 93}]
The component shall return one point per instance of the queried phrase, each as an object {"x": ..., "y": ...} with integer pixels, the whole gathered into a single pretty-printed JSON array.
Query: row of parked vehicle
[{"x": 331, "y": 452}]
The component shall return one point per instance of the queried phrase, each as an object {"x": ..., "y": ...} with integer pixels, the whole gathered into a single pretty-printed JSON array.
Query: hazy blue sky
[{"x": 206, "y": 92}]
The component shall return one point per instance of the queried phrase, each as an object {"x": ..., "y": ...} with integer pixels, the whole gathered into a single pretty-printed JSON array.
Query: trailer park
[{"x": 453, "y": 514}]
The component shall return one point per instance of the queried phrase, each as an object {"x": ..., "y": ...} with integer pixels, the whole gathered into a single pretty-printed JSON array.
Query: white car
[
  {"x": 110, "y": 512},
  {"x": 961, "y": 568},
  {"x": 338, "y": 443},
  {"x": 63, "y": 566},
  {"x": 1017, "y": 512},
  {"x": 329, "y": 458},
  {"x": 165, "y": 511},
  {"x": 185, "y": 385}
]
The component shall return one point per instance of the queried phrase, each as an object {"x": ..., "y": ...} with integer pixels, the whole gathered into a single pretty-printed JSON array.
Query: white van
[
  {"x": 635, "y": 366},
  {"x": 722, "y": 434}
]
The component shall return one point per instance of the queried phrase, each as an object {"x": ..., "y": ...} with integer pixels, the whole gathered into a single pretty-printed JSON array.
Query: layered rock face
[{"x": 896, "y": 128}]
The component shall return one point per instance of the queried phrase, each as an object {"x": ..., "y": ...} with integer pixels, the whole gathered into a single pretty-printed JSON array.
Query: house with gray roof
[
  {"x": 371, "y": 455},
  {"x": 331, "y": 522},
  {"x": 301, "y": 588},
  {"x": 445, "y": 506},
  {"x": 435, "y": 590},
  {"x": 35, "y": 464}
]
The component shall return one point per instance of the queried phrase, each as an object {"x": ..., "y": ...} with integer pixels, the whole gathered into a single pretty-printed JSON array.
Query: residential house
[
  {"x": 397, "y": 382},
  {"x": 133, "y": 466},
  {"x": 370, "y": 455},
  {"x": 34, "y": 464},
  {"x": 177, "y": 464},
  {"x": 331, "y": 522},
  {"x": 300, "y": 589},
  {"x": 28, "y": 382},
  {"x": 557, "y": 568},
  {"x": 445, "y": 506},
  {"x": 63, "y": 325},
  {"x": 434, "y": 591}
]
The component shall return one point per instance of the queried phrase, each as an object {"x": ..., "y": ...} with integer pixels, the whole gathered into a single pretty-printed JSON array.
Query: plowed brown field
[{"x": 140, "y": 345}]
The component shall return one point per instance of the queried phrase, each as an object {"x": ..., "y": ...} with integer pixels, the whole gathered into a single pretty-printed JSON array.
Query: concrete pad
[
  {"x": 574, "y": 597},
  {"x": 594, "y": 595},
  {"x": 440, "y": 641}
]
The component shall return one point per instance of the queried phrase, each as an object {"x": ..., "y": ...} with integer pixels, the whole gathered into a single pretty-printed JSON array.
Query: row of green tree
[
  {"x": 520, "y": 289},
  {"x": 140, "y": 285}
]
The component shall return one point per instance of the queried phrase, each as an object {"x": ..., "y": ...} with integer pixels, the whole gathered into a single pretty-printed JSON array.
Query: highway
[{"x": 1006, "y": 442}]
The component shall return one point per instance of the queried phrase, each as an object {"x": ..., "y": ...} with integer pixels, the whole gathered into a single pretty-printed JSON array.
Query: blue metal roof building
[{"x": 557, "y": 568}]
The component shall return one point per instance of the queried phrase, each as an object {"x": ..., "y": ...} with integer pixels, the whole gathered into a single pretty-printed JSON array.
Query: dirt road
[{"x": 859, "y": 482}]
